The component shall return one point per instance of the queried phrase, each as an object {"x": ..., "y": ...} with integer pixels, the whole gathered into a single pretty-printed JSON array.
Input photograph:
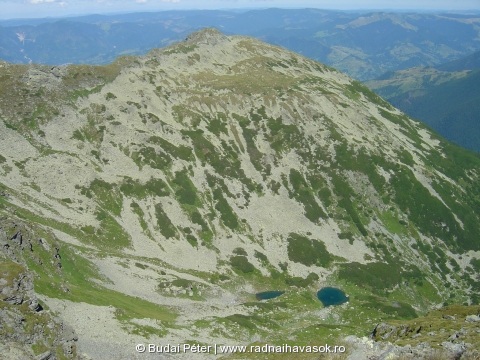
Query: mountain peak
[{"x": 206, "y": 36}]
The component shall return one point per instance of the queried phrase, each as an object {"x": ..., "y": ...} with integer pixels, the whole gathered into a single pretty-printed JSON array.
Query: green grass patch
[
  {"x": 186, "y": 192},
  {"x": 105, "y": 194},
  {"x": 379, "y": 275},
  {"x": 52, "y": 223},
  {"x": 151, "y": 157},
  {"x": 218, "y": 125},
  {"x": 255, "y": 155},
  {"x": 140, "y": 214},
  {"x": 77, "y": 273},
  {"x": 426, "y": 211},
  {"x": 110, "y": 234},
  {"x": 164, "y": 223},
  {"x": 9, "y": 271},
  {"x": 393, "y": 223},
  {"x": 345, "y": 194},
  {"x": 305, "y": 195},
  {"x": 241, "y": 264},
  {"x": 153, "y": 187},
  {"x": 226, "y": 163},
  {"x": 180, "y": 152},
  {"x": 308, "y": 251},
  {"x": 284, "y": 137},
  {"x": 226, "y": 212},
  {"x": 300, "y": 282}
]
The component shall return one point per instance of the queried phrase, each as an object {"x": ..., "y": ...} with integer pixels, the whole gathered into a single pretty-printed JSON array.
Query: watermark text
[{"x": 189, "y": 348}]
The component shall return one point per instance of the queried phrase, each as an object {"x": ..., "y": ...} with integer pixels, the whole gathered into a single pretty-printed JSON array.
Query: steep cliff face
[
  {"x": 27, "y": 329},
  {"x": 183, "y": 182}
]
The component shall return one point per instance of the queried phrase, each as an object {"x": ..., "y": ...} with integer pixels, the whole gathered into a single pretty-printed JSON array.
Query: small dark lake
[
  {"x": 331, "y": 296},
  {"x": 266, "y": 295}
]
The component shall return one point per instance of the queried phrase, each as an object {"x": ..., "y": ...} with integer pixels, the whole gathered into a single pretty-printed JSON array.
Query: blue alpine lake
[
  {"x": 266, "y": 295},
  {"x": 331, "y": 296}
]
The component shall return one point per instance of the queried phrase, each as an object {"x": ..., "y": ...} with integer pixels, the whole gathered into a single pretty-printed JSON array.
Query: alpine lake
[{"x": 330, "y": 296}]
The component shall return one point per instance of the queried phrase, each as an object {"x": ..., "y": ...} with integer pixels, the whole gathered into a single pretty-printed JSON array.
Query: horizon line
[{"x": 114, "y": 13}]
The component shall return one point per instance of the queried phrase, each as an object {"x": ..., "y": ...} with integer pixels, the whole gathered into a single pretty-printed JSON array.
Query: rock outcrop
[
  {"x": 448, "y": 333},
  {"x": 27, "y": 330}
]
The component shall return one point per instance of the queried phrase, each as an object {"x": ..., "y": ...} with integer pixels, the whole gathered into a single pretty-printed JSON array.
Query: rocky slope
[
  {"x": 181, "y": 183},
  {"x": 27, "y": 329},
  {"x": 452, "y": 328}
]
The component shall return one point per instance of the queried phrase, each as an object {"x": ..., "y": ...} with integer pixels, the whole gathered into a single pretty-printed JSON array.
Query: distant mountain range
[
  {"x": 361, "y": 44},
  {"x": 446, "y": 97}
]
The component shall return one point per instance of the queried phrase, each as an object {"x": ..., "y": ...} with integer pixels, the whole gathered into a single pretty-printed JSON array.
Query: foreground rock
[
  {"x": 447, "y": 333},
  {"x": 27, "y": 330}
]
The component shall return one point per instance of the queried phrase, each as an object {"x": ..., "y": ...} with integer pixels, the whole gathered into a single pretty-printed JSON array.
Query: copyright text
[{"x": 189, "y": 348}]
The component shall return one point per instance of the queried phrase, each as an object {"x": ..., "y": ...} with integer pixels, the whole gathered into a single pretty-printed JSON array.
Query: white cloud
[
  {"x": 41, "y": 1},
  {"x": 163, "y": 1}
]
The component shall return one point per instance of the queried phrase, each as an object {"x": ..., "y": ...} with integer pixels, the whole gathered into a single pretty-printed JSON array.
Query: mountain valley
[{"x": 445, "y": 97}]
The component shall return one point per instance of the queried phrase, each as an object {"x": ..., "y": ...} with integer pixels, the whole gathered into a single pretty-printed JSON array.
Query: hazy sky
[{"x": 54, "y": 8}]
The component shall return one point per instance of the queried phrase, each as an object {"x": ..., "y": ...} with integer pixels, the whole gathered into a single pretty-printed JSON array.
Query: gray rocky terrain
[{"x": 150, "y": 199}]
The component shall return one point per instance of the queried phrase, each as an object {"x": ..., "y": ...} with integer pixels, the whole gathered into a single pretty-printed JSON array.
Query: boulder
[
  {"x": 472, "y": 318},
  {"x": 16, "y": 299},
  {"x": 44, "y": 356},
  {"x": 456, "y": 349}
]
